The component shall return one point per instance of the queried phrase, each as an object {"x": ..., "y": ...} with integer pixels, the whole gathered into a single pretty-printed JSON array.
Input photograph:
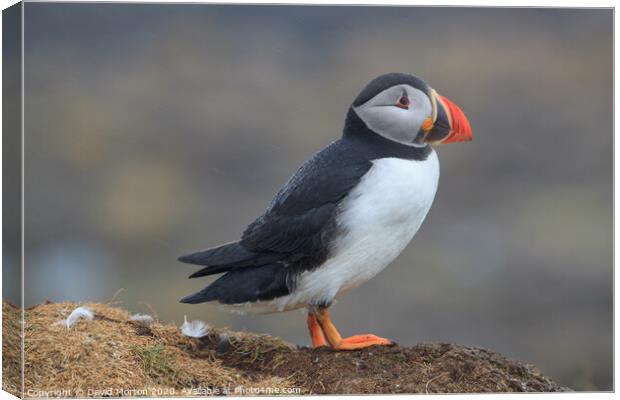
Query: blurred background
[{"x": 156, "y": 130}]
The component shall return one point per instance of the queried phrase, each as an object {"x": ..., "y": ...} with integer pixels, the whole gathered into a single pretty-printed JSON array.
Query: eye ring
[{"x": 403, "y": 102}]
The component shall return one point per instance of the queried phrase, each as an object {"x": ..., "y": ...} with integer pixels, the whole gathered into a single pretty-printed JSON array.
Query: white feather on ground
[
  {"x": 194, "y": 328},
  {"x": 142, "y": 319},
  {"x": 76, "y": 315}
]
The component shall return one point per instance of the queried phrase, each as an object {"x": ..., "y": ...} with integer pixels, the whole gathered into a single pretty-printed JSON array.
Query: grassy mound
[{"x": 115, "y": 356}]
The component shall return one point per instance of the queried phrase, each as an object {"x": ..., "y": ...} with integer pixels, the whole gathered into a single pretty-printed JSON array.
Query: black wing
[{"x": 298, "y": 226}]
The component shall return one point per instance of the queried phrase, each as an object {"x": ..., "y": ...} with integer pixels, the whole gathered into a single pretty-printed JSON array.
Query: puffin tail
[{"x": 249, "y": 284}]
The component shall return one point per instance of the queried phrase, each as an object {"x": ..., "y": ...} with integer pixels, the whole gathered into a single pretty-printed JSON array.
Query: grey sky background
[{"x": 155, "y": 130}]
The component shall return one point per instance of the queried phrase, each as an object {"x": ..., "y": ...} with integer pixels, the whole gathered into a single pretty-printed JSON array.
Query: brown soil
[{"x": 113, "y": 356}]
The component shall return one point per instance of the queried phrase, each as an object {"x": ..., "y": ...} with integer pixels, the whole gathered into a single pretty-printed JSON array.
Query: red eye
[{"x": 403, "y": 102}]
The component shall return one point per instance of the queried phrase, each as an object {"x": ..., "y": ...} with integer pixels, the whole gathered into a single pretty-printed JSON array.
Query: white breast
[{"x": 377, "y": 219}]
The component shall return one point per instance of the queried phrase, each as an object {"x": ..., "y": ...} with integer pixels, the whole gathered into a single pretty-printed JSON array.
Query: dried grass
[
  {"x": 110, "y": 353},
  {"x": 11, "y": 349}
]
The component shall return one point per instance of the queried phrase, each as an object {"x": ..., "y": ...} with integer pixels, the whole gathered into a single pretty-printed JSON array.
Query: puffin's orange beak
[
  {"x": 460, "y": 129},
  {"x": 451, "y": 124}
]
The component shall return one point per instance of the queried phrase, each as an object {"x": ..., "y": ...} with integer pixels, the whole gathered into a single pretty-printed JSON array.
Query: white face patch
[{"x": 381, "y": 115}]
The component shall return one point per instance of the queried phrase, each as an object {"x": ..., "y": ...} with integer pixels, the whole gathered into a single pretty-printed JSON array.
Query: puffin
[{"x": 344, "y": 216}]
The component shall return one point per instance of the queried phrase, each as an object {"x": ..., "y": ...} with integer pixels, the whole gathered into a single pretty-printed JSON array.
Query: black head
[{"x": 383, "y": 82}]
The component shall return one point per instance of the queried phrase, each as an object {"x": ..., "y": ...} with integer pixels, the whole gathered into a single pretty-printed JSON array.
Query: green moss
[{"x": 157, "y": 367}]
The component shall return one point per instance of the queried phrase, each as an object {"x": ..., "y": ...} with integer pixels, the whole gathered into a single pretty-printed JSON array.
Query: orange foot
[
  {"x": 332, "y": 336},
  {"x": 362, "y": 341}
]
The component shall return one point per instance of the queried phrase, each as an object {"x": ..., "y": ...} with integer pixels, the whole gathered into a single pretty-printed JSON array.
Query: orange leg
[
  {"x": 318, "y": 340},
  {"x": 351, "y": 343}
]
